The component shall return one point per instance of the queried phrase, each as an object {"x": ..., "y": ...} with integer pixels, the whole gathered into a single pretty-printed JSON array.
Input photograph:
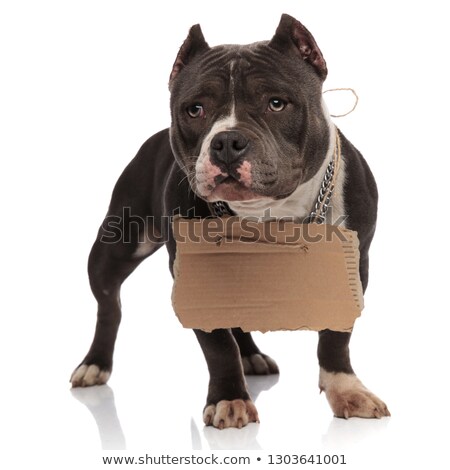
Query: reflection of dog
[{"x": 249, "y": 128}]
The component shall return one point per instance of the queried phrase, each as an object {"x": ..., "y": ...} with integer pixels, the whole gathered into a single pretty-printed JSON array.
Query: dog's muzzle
[
  {"x": 228, "y": 150},
  {"x": 225, "y": 173}
]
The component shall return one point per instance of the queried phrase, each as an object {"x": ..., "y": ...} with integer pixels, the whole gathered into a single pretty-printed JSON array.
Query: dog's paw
[
  {"x": 348, "y": 397},
  {"x": 230, "y": 414},
  {"x": 86, "y": 375},
  {"x": 259, "y": 364}
]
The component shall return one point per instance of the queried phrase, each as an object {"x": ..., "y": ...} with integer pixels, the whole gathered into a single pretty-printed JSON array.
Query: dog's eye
[
  {"x": 276, "y": 105},
  {"x": 196, "y": 110}
]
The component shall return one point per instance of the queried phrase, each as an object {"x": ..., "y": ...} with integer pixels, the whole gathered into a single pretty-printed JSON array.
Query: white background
[{"x": 82, "y": 85}]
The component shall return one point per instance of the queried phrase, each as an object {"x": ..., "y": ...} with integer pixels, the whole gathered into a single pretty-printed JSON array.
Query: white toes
[
  {"x": 273, "y": 366},
  {"x": 88, "y": 375},
  {"x": 348, "y": 397},
  {"x": 230, "y": 414},
  {"x": 259, "y": 364}
]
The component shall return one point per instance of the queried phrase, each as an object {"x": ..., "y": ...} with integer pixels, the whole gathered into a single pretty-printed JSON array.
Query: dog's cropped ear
[
  {"x": 194, "y": 44},
  {"x": 291, "y": 33}
]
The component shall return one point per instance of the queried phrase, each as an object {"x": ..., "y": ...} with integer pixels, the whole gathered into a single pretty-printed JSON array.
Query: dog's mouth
[
  {"x": 232, "y": 183},
  {"x": 225, "y": 179},
  {"x": 228, "y": 188}
]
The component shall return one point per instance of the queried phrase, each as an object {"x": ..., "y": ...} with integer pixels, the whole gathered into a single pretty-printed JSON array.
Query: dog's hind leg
[
  {"x": 254, "y": 362},
  {"x": 110, "y": 263}
]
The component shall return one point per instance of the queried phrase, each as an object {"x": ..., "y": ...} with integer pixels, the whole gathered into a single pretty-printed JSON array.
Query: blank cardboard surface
[{"x": 265, "y": 276}]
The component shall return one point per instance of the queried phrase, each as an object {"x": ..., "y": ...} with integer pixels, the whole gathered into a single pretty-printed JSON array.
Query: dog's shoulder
[
  {"x": 154, "y": 152},
  {"x": 151, "y": 165}
]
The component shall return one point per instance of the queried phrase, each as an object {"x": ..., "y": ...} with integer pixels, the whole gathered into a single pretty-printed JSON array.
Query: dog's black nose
[{"x": 227, "y": 148}]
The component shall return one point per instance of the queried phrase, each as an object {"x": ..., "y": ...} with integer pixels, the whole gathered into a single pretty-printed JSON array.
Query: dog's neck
[{"x": 300, "y": 203}]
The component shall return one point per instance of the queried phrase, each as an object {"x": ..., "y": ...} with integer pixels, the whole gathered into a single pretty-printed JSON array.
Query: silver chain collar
[
  {"x": 319, "y": 212},
  {"x": 221, "y": 208}
]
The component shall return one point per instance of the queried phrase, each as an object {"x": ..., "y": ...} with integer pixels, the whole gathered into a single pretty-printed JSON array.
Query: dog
[{"x": 249, "y": 133}]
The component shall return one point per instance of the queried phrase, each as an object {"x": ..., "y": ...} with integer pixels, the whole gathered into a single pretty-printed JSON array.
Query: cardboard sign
[{"x": 265, "y": 276}]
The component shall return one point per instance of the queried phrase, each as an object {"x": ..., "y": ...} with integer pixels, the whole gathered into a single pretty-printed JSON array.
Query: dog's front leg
[
  {"x": 344, "y": 391},
  {"x": 228, "y": 404}
]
